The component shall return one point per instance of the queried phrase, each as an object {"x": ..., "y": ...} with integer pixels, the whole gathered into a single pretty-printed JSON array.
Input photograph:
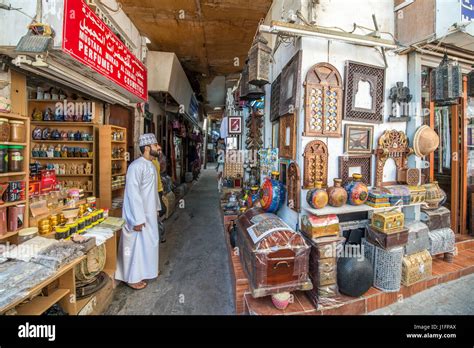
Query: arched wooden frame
[
  {"x": 293, "y": 183},
  {"x": 315, "y": 164},
  {"x": 323, "y": 105},
  {"x": 392, "y": 144}
]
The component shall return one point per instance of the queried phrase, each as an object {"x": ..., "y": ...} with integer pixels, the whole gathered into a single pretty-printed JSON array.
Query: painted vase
[
  {"x": 253, "y": 196},
  {"x": 337, "y": 194},
  {"x": 317, "y": 197},
  {"x": 434, "y": 195},
  {"x": 272, "y": 193},
  {"x": 357, "y": 191}
]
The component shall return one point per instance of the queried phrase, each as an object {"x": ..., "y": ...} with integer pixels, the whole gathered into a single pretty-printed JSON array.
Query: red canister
[
  {"x": 3, "y": 220},
  {"x": 16, "y": 217}
]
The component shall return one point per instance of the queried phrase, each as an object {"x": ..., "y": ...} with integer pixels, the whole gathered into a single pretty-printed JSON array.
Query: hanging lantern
[
  {"x": 259, "y": 62},
  {"x": 244, "y": 83},
  {"x": 446, "y": 82},
  {"x": 470, "y": 83}
]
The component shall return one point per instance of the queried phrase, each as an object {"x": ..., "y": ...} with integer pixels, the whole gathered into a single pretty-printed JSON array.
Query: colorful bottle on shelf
[
  {"x": 357, "y": 191},
  {"x": 317, "y": 197},
  {"x": 337, "y": 194},
  {"x": 272, "y": 194},
  {"x": 253, "y": 196}
]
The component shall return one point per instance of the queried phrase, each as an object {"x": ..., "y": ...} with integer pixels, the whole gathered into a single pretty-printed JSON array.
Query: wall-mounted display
[
  {"x": 358, "y": 139},
  {"x": 235, "y": 125},
  {"x": 364, "y": 92},
  {"x": 323, "y": 106},
  {"x": 293, "y": 183},
  {"x": 360, "y": 164},
  {"x": 290, "y": 85},
  {"x": 393, "y": 145},
  {"x": 275, "y": 99},
  {"x": 315, "y": 164},
  {"x": 288, "y": 136}
]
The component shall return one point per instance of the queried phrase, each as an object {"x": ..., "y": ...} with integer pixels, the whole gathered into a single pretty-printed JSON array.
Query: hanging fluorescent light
[{"x": 277, "y": 27}]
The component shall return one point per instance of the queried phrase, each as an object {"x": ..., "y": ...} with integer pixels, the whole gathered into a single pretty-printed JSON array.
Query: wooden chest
[
  {"x": 416, "y": 267},
  {"x": 320, "y": 226},
  {"x": 417, "y": 194},
  {"x": 323, "y": 267},
  {"x": 387, "y": 241},
  {"x": 274, "y": 256},
  {"x": 388, "y": 222},
  {"x": 378, "y": 198},
  {"x": 437, "y": 218},
  {"x": 418, "y": 238},
  {"x": 442, "y": 241},
  {"x": 399, "y": 194}
]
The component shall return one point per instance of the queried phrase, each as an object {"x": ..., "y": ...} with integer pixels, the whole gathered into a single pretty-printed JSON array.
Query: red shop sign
[{"x": 89, "y": 40}]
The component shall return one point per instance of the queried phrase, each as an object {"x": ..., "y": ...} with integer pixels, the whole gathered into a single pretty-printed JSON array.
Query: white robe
[{"x": 138, "y": 251}]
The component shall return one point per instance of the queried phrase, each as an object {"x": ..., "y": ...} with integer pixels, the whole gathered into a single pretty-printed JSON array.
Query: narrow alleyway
[{"x": 195, "y": 275}]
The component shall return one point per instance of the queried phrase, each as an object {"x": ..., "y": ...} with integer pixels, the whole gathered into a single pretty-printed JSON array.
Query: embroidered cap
[{"x": 147, "y": 139}]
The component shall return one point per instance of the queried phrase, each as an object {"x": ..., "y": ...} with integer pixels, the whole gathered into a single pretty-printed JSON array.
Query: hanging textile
[
  {"x": 447, "y": 139},
  {"x": 224, "y": 128}
]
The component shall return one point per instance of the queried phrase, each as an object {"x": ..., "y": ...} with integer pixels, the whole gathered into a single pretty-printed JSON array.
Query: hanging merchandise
[
  {"x": 470, "y": 83},
  {"x": 272, "y": 193},
  {"x": 254, "y": 124},
  {"x": 446, "y": 82},
  {"x": 259, "y": 62}
]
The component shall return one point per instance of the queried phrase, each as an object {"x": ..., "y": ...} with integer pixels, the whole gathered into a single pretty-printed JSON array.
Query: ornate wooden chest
[
  {"x": 378, "y": 198},
  {"x": 442, "y": 241},
  {"x": 387, "y": 241},
  {"x": 417, "y": 194},
  {"x": 323, "y": 267},
  {"x": 399, "y": 194},
  {"x": 320, "y": 226},
  {"x": 388, "y": 221},
  {"x": 416, "y": 267},
  {"x": 274, "y": 256},
  {"x": 437, "y": 218},
  {"x": 418, "y": 238}
]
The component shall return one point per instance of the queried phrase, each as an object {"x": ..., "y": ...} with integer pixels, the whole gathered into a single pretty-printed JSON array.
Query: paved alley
[{"x": 195, "y": 275}]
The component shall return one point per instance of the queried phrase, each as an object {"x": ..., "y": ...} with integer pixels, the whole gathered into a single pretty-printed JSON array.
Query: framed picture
[
  {"x": 364, "y": 92},
  {"x": 290, "y": 85},
  {"x": 283, "y": 171},
  {"x": 275, "y": 100},
  {"x": 288, "y": 136},
  {"x": 293, "y": 184},
  {"x": 361, "y": 164},
  {"x": 358, "y": 139},
  {"x": 275, "y": 134},
  {"x": 235, "y": 125}
]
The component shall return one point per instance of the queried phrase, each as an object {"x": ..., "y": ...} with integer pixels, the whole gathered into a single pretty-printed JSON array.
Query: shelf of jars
[
  {"x": 112, "y": 167},
  {"x": 14, "y": 180}
]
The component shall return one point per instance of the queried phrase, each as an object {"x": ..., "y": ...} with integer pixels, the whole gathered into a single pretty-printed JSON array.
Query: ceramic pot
[
  {"x": 434, "y": 195},
  {"x": 317, "y": 197},
  {"x": 281, "y": 300},
  {"x": 357, "y": 191},
  {"x": 354, "y": 274},
  {"x": 253, "y": 197},
  {"x": 337, "y": 194},
  {"x": 272, "y": 194}
]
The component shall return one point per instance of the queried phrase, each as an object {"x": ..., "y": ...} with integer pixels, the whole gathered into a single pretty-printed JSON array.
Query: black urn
[{"x": 354, "y": 272}]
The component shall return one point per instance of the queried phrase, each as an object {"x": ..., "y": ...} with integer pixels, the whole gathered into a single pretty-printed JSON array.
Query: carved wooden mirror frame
[
  {"x": 290, "y": 76},
  {"x": 293, "y": 183},
  {"x": 362, "y": 161},
  {"x": 275, "y": 99},
  {"x": 288, "y": 150},
  {"x": 391, "y": 144},
  {"x": 315, "y": 164},
  {"x": 324, "y": 95}
]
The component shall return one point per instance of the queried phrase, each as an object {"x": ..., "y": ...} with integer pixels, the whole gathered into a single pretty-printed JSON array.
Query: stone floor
[
  {"x": 453, "y": 298},
  {"x": 195, "y": 274}
]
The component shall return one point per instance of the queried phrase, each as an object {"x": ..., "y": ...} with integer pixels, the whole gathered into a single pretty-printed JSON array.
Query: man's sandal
[{"x": 137, "y": 286}]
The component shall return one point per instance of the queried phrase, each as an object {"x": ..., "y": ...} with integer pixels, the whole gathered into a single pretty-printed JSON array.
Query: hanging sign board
[
  {"x": 467, "y": 10},
  {"x": 90, "y": 41}
]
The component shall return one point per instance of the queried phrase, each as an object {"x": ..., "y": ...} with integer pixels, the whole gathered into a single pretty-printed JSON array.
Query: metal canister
[
  {"x": 100, "y": 214},
  {"x": 81, "y": 225},
  {"x": 62, "y": 232},
  {"x": 72, "y": 229}
]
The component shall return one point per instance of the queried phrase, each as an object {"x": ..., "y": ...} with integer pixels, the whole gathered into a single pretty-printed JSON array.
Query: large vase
[
  {"x": 357, "y": 191},
  {"x": 337, "y": 194},
  {"x": 354, "y": 274},
  {"x": 272, "y": 194},
  {"x": 253, "y": 197},
  {"x": 317, "y": 197},
  {"x": 434, "y": 195}
]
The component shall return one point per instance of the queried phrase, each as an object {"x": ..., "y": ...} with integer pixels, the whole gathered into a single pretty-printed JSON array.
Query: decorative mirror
[
  {"x": 315, "y": 164},
  {"x": 358, "y": 139},
  {"x": 392, "y": 144},
  {"x": 294, "y": 187},
  {"x": 361, "y": 164},
  {"x": 364, "y": 92},
  {"x": 275, "y": 100},
  {"x": 288, "y": 136},
  {"x": 323, "y": 109},
  {"x": 290, "y": 82}
]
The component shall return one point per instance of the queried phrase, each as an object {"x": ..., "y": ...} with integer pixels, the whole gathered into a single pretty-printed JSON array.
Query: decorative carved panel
[
  {"x": 287, "y": 148},
  {"x": 315, "y": 164},
  {"x": 364, "y": 92},
  {"x": 275, "y": 100},
  {"x": 291, "y": 85},
  {"x": 392, "y": 144},
  {"x": 361, "y": 164},
  {"x": 323, "y": 107},
  {"x": 294, "y": 187}
]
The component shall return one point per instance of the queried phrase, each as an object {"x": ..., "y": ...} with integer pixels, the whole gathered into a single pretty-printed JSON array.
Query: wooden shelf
[
  {"x": 118, "y": 142},
  {"x": 62, "y": 123},
  {"x": 120, "y": 174},
  {"x": 10, "y": 204},
  {"x": 118, "y": 159},
  {"x": 62, "y": 158},
  {"x": 17, "y": 144},
  {"x": 8, "y": 235},
  {"x": 12, "y": 174},
  {"x": 348, "y": 209},
  {"x": 63, "y": 141},
  {"x": 75, "y": 175},
  {"x": 117, "y": 189},
  {"x": 48, "y": 101},
  {"x": 41, "y": 304},
  {"x": 13, "y": 116}
]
